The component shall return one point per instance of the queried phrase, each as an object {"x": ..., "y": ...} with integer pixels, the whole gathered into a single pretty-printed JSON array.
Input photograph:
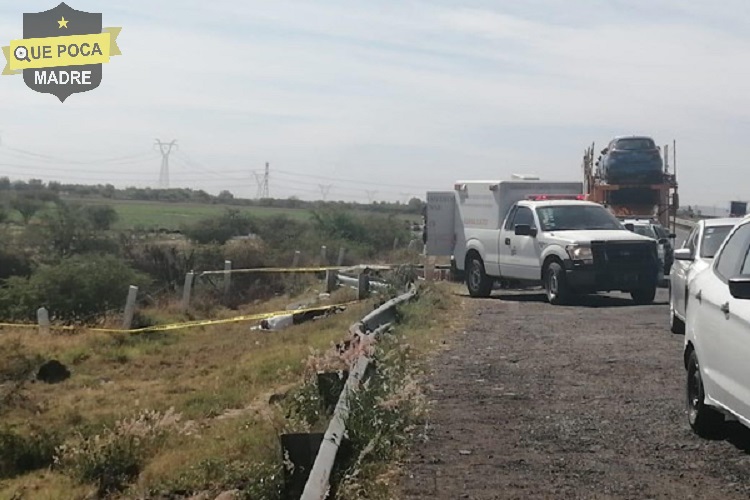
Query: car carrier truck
[
  {"x": 633, "y": 200},
  {"x": 538, "y": 233}
]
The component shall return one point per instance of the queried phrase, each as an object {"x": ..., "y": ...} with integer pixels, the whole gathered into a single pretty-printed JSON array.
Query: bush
[
  {"x": 76, "y": 289},
  {"x": 219, "y": 229},
  {"x": 20, "y": 454},
  {"x": 114, "y": 457}
]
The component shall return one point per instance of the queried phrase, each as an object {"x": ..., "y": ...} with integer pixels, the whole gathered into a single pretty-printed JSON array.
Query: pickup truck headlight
[{"x": 580, "y": 252}]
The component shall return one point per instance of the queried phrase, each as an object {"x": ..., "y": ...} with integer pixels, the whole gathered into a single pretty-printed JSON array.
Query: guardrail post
[
  {"x": 42, "y": 318},
  {"x": 332, "y": 277},
  {"x": 323, "y": 256},
  {"x": 295, "y": 260},
  {"x": 363, "y": 286},
  {"x": 187, "y": 290},
  {"x": 127, "y": 320},
  {"x": 340, "y": 260},
  {"x": 227, "y": 278}
]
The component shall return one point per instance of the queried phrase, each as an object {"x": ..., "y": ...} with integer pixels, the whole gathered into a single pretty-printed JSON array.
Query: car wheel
[
  {"x": 704, "y": 420},
  {"x": 644, "y": 296},
  {"x": 555, "y": 284},
  {"x": 477, "y": 281}
]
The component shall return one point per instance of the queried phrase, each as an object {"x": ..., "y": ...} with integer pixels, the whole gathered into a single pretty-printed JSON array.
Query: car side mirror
[
  {"x": 630, "y": 227},
  {"x": 739, "y": 287},
  {"x": 683, "y": 254},
  {"x": 663, "y": 241},
  {"x": 672, "y": 236},
  {"x": 524, "y": 230}
]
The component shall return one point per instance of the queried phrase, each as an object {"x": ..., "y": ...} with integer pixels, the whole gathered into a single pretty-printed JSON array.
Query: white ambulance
[{"x": 538, "y": 233}]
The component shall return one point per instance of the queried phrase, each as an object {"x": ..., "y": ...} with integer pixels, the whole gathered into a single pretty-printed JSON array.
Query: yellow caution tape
[
  {"x": 189, "y": 324},
  {"x": 277, "y": 270}
]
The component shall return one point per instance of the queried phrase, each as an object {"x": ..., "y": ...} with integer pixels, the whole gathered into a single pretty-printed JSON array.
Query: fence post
[
  {"x": 340, "y": 260},
  {"x": 227, "y": 278},
  {"x": 363, "y": 286},
  {"x": 127, "y": 319},
  {"x": 295, "y": 260},
  {"x": 187, "y": 290},
  {"x": 331, "y": 279},
  {"x": 323, "y": 256},
  {"x": 42, "y": 318},
  {"x": 429, "y": 269}
]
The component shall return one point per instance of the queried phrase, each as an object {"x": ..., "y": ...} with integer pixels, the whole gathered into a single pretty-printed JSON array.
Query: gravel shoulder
[{"x": 586, "y": 401}]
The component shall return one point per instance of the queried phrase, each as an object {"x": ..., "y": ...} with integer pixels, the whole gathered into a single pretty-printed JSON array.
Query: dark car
[{"x": 631, "y": 160}]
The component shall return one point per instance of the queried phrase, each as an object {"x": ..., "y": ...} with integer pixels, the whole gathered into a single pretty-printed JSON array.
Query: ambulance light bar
[{"x": 545, "y": 197}]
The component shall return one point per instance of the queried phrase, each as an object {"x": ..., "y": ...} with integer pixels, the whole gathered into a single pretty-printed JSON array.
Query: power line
[{"x": 165, "y": 149}]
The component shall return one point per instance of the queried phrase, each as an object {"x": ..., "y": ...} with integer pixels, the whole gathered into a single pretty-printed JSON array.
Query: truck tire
[
  {"x": 644, "y": 296},
  {"x": 704, "y": 420},
  {"x": 477, "y": 281},
  {"x": 557, "y": 289}
]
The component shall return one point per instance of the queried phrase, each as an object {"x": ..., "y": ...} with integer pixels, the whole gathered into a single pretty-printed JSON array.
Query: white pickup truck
[{"x": 539, "y": 233}]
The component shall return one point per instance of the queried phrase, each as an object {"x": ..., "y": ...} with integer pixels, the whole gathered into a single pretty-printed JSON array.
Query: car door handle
[
  {"x": 725, "y": 308},
  {"x": 507, "y": 241}
]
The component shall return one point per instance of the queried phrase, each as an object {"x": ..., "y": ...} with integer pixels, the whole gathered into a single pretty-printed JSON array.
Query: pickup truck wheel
[
  {"x": 554, "y": 283},
  {"x": 477, "y": 281},
  {"x": 704, "y": 420},
  {"x": 644, "y": 296}
]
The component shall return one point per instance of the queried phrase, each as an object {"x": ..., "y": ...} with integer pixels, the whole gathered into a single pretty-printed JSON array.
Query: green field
[
  {"x": 163, "y": 215},
  {"x": 166, "y": 215}
]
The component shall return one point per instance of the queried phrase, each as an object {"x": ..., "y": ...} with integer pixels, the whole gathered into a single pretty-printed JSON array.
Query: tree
[
  {"x": 225, "y": 197},
  {"x": 27, "y": 205},
  {"x": 101, "y": 217}
]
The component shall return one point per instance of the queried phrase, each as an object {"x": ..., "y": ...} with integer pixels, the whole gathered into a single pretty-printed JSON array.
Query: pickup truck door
[
  {"x": 526, "y": 248},
  {"x": 519, "y": 255}
]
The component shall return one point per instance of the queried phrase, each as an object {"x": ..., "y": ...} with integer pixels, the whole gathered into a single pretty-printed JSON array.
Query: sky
[{"x": 387, "y": 99}]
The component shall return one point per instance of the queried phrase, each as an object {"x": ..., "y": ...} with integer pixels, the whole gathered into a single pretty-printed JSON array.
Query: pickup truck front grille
[{"x": 611, "y": 254}]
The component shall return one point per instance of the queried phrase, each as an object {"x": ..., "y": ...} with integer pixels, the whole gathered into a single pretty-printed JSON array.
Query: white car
[
  {"x": 697, "y": 253},
  {"x": 717, "y": 337}
]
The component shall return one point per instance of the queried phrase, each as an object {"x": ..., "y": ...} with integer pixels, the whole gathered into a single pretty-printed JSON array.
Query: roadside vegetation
[{"x": 176, "y": 413}]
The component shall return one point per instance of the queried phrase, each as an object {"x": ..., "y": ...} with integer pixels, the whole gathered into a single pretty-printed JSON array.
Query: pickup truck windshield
[{"x": 576, "y": 217}]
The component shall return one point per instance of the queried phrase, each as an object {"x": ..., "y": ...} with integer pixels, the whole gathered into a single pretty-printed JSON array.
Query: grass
[{"x": 217, "y": 379}]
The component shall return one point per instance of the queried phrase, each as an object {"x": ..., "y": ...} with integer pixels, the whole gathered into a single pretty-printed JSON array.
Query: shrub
[
  {"x": 114, "y": 457},
  {"x": 76, "y": 289},
  {"x": 219, "y": 229},
  {"x": 23, "y": 453}
]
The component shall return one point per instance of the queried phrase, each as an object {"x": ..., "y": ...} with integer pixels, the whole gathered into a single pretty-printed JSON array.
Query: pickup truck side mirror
[
  {"x": 630, "y": 227},
  {"x": 663, "y": 241},
  {"x": 525, "y": 230},
  {"x": 683, "y": 254},
  {"x": 739, "y": 287},
  {"x": 672, "y": 236}
]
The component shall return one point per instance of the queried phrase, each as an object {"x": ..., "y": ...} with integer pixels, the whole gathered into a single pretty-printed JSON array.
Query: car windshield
[
  {"x": 576, "y": 217},
  {"x": 645, "y": 231},
  {"x": 633, "y": 144},
  {"x": 712, "y": 239}
]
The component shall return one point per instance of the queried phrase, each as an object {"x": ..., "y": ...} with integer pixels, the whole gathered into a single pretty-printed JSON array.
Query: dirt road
[{"x": 539, "y": 401}]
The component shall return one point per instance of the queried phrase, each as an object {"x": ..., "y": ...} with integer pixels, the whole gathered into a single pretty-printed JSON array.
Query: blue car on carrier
[{"x": 631, "y": 160}]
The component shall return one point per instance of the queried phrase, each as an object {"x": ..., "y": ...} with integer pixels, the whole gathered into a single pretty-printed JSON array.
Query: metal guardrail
[
  {"x": 373, "y": 324},
  {"x": 684, "y": 223}
]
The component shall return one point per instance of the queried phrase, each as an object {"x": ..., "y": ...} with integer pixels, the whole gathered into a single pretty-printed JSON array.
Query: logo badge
[{"x": 62, "y": 51}]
